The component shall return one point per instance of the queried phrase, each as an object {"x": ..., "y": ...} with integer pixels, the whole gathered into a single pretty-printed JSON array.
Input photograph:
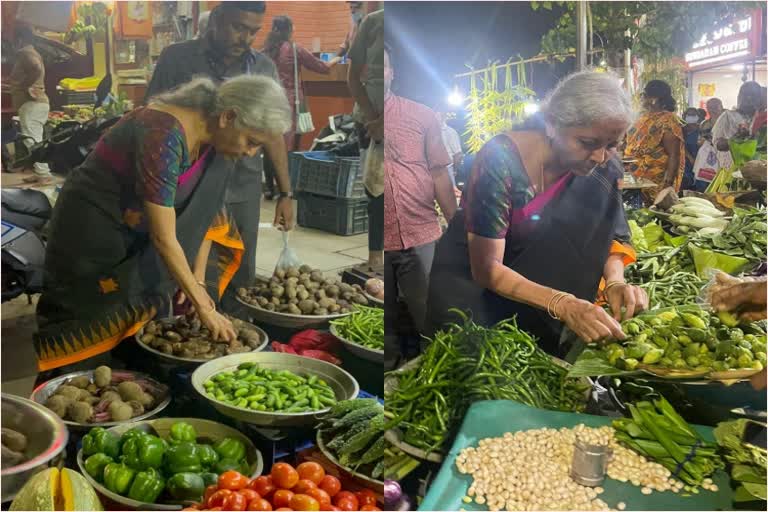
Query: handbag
[{"x": 303, "y": 118}]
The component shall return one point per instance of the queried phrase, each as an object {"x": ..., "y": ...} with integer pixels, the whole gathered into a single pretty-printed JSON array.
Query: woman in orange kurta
[{"x": 655, "y": 142}]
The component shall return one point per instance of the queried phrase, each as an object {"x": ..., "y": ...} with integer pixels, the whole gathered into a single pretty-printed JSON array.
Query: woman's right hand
[
  {"x": 221, "y": 328},
  {"x": 590, "y": 322}
]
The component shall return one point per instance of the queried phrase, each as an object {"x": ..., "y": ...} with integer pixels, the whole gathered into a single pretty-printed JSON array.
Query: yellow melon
[{"x": 52, "y": 489}]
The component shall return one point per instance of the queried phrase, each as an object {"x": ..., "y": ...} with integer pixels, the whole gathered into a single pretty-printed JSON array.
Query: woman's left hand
[
  {"x": 632, "y": 298},
  {"x": 284, "y": 219}
]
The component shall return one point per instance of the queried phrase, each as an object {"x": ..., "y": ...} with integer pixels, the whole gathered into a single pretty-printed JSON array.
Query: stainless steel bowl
[
  {"x": 47, "y": 389},
  {"x": 288, "y": 320},
  {"x": 378, "y": 484},
  {"x": 209, "y": 430},
  {"x": 361, "y": 351},
  {"x": 344, "y": 386},
  {"x": 190, "y": 360},
  {"x": 373, "y": 300},
  {"x": 47, "y": 437}
]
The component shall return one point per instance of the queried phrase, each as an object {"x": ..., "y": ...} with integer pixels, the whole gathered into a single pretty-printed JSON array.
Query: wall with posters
[{"x": 723, "y": 83}]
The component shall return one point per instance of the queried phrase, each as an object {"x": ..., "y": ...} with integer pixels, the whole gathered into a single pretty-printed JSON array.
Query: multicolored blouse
[{"x": 644, "y": 145}]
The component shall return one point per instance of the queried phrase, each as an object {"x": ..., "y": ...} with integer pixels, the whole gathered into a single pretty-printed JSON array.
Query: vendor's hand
[
  {"x": 758, "y": 380},
  {"x": 375, "y": 129},
  {"x": 221, "y": 328},
  {"x": 284, "y": 219},
  {"x": 747, "y": 297},
  {"x": 632, "y": 298},
  {"x": 591, "y": 323}
]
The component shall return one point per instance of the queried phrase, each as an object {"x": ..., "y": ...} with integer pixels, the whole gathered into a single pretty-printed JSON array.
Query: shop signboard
[{"x": 733, "y": 43}]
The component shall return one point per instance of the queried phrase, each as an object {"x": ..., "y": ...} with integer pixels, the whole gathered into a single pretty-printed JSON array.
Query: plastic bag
[{"x": 288, "y": 257}]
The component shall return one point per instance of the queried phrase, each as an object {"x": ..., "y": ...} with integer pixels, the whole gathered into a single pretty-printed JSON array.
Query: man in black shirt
[{"x": 224, "y": 52}]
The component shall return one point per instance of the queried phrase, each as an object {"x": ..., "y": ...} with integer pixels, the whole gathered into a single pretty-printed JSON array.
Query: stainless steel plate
[
  {"x": 361, "y": 351},
  {"x": 286, "y": 319}
]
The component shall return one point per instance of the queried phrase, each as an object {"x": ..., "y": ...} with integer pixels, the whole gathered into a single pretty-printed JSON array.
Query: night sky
[{"x": 433, "y": 41}]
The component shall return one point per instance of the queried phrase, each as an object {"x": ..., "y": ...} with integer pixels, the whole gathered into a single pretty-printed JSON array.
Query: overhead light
[
  {"x": 603, "y": 63},
  {"x": 456, "y": 98},
  {"x": 728, "y": 76},
  {"x": 530, "y": 108},
  {"x": 737, "y": 67}
]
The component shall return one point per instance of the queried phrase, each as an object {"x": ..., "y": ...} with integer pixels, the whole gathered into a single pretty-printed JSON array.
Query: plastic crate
[
  {"x": 324, "y": 174},
  {"x": 332, "y": 214}
]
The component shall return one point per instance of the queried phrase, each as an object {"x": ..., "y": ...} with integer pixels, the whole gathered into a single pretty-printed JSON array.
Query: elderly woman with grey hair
[
  {"x": 542, "y": 224},
  {"x": 147, "y": 202}
]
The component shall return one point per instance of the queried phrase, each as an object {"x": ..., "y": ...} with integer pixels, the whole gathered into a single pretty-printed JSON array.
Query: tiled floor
[{"x": 323, "y": 251}]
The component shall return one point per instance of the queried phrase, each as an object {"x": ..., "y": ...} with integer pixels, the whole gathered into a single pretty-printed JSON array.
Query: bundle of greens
[
  {"x": 744, "y": 237},
  {"x": 659, "y": 433},
  {"x": 748, "y": 462},
  {"x": 467, "y": 363}
]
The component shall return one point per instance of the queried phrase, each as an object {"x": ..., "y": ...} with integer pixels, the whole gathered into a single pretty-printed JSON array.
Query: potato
[
  {"x": 81, "y": 381},
  {"x": 360, "y": 299},
  {"x": 84, "y": 395},
  {"x": 305, "y": 269},
  {"x": 277, "y": 291},
  {"x": 147, "y": 339},
  {"x": 138, "y": 408},
  {"x": 291, "y": 292},
  {"x": 81, "y": 412},
  {"x": 294, "y": 309},
  {"x": 332, "y": 291},
  {"x": 275, "y": 301},
  {"x": 111, "y": 396},
  {"x": 307, "y": 306},
  {"x": 270, "y": 307},
  {"x": 320, "y": 312},
  {"x": 59, "y": 404},
  {"x": 346, "y": 288},
  {"x": 16, "y": 441},
  {"x": 92, "y": 389},
  {"x": 334, "y": 308},
  {"x": 283, "y": 308},
  {"x": 326, "y": 303},
  {"x": 294, "y": 301},
  {"x": 292, "y": 273},
  {"x": 292, "y": 281},
  {"x": 102, "y": 376},
  {"x": 242, "y": 292},
  {"x": 129, "y": 391},
  {"x": 173, "y": 336},
  {"x": 316, "y": 276},
  {"x": 120, "y": 411},
  {"x": 280, "y": 273},
  {"x": 320, "y": 294},
  {"x": 261, "y": 301},
  {"x": 146, "y": 400}
]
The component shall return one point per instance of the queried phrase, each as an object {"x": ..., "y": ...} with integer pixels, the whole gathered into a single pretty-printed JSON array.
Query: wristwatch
[{"x": 284, "y": 195}]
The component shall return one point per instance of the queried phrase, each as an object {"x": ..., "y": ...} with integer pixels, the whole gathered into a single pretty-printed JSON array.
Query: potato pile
[
  {"x": 14, "y": 445},
  {"x": 375, "y": 288},
  {"x": 303, "y": 291},
  {"x": 104, "y": 399},
  {"x": 187, "y": 337}
]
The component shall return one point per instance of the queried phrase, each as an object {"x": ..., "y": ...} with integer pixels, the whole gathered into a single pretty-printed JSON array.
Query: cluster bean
[{"x": 530, "y": 470}]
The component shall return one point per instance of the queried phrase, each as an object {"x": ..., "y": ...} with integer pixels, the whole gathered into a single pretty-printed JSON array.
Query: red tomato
[
  {"x": 311, "y": 471},
  {"x": 189, "y": 509},
  {"x": 322, "y": 497},
  {"x": 369, "y": 507},
  {"x": 282, "y": 498},
  {"x": 217, "y": 498},
  {"x": 263, "y": 485},
  {"x": 330, "y": 484},
  {"x": 208, "y": 493},
  {"x": 288, "y": 509},
  {"x": 347, "y": 504},
  {"x": 345, "y": 495},
  {"x": 259, "y": 504},
  {"x": 304, "y": 502},
  {"x": 249, "y": 494},
  {"x": 303, "y": 486},
  {"x": 215, "y": 508},
  {"x": 284, "y": 476},
  {"x": 235, "y": 501},
  {"x": 334, "y": 507},
  {"x": 366, "y": 497},
  {"x": 233, "y": 481}
]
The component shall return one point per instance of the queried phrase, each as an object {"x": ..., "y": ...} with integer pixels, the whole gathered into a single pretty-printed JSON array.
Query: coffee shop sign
[{"x": 722, "y": 44}]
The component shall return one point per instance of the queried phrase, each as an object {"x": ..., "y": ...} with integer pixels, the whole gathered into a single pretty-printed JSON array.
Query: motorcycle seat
[{"x": 26, "y": 202}]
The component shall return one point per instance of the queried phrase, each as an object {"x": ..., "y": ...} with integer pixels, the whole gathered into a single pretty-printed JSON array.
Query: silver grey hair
[
  {"x": 259, "y": 102},
  {"x": 585, "y": 97}
]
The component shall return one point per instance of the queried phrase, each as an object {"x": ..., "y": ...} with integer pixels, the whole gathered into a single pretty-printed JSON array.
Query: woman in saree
[
  {"x": 655, "y": 143},
  {"x": 542, "y": 223},
  {"x": 146, "y": 202}
]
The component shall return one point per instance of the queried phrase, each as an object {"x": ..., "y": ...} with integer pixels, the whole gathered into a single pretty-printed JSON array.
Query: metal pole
[
  {"x": 628, "y": 67},
  {"x": 581, "y": 35}
]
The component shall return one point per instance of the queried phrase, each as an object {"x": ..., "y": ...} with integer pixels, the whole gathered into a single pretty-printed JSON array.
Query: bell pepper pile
[
  {"x": 305, "y": 487},
  {"x": 144, "y": 467}
]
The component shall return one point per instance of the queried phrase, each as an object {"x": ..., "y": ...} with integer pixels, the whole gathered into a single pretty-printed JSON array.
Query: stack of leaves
[
  {"x": 748, "y": 462},
  {"x": 467, "y": 363},
  {"x": 354, "y": 431},
  {"x": 659, "y": 433}
]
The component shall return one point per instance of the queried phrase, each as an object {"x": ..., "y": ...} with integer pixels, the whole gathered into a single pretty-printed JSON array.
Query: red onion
[{"x": 392, "y": 493}]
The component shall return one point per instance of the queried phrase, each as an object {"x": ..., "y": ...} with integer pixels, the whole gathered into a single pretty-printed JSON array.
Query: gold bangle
[
  {"x": 554, "y": 299},
  {"x": 611, "y": 284},
  {"x": 555, "y": 314}
]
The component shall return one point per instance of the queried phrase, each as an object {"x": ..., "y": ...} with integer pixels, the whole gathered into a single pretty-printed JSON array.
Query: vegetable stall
[
  {"x": 485, "y": 420},
  {"x": 284, "y": 417}
]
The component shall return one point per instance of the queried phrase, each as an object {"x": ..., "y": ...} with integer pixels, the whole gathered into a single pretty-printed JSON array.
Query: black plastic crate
[
  {"x": 332, "y": 214},
  {"x": 324, "y": 174}
]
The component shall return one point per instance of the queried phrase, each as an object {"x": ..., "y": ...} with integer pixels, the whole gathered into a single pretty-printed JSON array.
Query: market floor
[{"x": 323, "y": 251}]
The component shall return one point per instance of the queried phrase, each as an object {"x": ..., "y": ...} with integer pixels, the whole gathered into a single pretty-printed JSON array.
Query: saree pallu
[
  {"x": 104, "y": 280},
  {"x": 644, "y": 144}
]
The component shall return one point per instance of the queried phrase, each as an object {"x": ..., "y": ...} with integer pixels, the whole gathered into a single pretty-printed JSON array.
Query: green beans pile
[
  {"x": 261, "y": 389},
  {"x": 663, "y": 263},
  {"x": 468, "y": 363},
  {"x": 678, "y": 289},
  {"x": 365, "y": 327}
]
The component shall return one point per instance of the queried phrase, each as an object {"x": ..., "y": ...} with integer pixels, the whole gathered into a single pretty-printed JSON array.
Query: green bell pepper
[
  {"x": 183, "y": 431},
  {"x": 182, "y": 458},
  {"x": 99, "y": 440},
  {"x": 95, "y": 464},
  {"x": 147, "y": 486},
  {"x": 186, "y": 486},
  {"x": 208, "y": 456},
  {"x": 118, "y": 477},
  {"x": 143, "y": 452},
  {"x": 230, "y": 448},
  {"x": 224, "y": 465},
  {"x": 210, "y": 478},
  {"x": 130, "y": 434}
]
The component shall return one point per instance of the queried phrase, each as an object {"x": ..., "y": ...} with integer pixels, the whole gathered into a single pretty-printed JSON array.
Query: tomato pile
[{"x": 305, "y": 487}]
